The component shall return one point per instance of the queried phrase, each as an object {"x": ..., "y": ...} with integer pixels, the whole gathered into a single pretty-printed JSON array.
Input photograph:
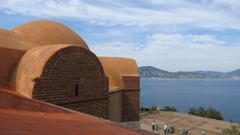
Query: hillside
[
  {"x": 234, "y": 73},
  {"x": 149, "y": 71}
]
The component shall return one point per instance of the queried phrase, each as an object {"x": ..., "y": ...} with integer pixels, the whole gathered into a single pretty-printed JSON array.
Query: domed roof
[
  {"x": 48, "y": 32},
  {"x": 11, "y": 40},
  {"x": 31, "y": 66},
  {"x": 116, "y": 67}
]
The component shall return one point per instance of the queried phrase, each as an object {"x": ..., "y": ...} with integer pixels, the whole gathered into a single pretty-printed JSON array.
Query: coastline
[{"x": 200, "y": 91}]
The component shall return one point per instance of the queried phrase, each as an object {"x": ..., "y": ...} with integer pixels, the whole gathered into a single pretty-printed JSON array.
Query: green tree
[
  {"x": 212, "y": 113},
  {"x": 168, "y": 108},
  {"x": 192, "y": 111},
  {"x": 201, "y": 112},
  {"x": 149, "y": 109},
  {"x": 153, "y": 108},
  {"x": 209, "y": 113}
]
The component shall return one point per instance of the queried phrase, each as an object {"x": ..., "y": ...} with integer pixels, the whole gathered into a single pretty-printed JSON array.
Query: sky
[{"x": 174, "y": 35}]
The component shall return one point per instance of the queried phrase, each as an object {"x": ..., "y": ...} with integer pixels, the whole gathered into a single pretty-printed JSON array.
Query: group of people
[{"x": 155, "y": 127}]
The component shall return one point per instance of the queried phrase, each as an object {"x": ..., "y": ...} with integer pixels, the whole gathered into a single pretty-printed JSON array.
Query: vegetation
[
  {"x": 209, "y": 113},
  {"x": 200, "y": 111},
  {"x": 149, "y": 109},
  {"x": 155, "y": 109},
  {"x": 168, "y": 108},
  {"x": 232, "y": 131}
]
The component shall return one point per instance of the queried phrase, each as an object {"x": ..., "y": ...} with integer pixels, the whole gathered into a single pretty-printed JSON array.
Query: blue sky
[{"x": 173, "y": 35}]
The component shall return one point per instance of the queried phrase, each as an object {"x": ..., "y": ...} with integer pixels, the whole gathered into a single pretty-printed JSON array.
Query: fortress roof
[
  {"x": 31, "y": 116},
  {"x": 116, "y": 67},
  {"x": 48, "y": 32},
  {"x": 12, "y": 41},
  {"x": 12, "y": 47},
  {"x": 31, "y": 66}
]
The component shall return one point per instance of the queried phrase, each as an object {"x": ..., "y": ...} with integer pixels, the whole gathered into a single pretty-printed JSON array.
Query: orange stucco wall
[{"x": 9, "y": 59}]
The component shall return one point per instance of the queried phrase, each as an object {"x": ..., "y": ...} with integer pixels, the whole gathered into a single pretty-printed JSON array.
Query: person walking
[
  {"x": 153, "y": 124},
  {"x": 165, "y": 128}
]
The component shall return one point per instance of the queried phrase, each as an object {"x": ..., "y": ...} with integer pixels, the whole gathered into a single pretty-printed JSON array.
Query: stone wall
[
  {"x": 131, "y": 82},
  {"x": 73, "y": 77},
  {"x": 124, "y": 104},
  {"x": 130, "y": 105},
  {"x": 130, "y": 98}
]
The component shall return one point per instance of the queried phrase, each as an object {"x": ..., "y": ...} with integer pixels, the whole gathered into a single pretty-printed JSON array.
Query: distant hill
[
  {"x": 234, "y": 73},
  {"x": 211, "y": 73},
  {"x": 150, "y": 71}
]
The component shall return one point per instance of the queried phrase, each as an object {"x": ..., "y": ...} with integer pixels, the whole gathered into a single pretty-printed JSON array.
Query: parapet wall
[
  {"x": 124, "y": 103},
  {"x": 9, "y": 58},
  {"x": 130, "y": 98},
  {"x": 131, "y": 82},
  {"x": 130, "y": 105},
  {"x": 12, "y": 100}
]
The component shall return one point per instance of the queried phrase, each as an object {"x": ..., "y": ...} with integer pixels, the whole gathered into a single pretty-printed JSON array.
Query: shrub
[
  {"x": 168, "y": 108},
  {"x": 153, "y": 108},
  {"x": 212, "y": 113},
  {"x": 149, "y": 109},
  {"x": 209, "y": 113}
]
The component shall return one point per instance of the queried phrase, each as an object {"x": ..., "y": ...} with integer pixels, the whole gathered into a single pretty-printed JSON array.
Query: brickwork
[
  {"x": 95, "y": 107},
  {"x": 130, "y": 105},
  {"x": 131, "y": 82},
  {"x": 130, "y": 98},
  {"x": 74, "y": 78}
]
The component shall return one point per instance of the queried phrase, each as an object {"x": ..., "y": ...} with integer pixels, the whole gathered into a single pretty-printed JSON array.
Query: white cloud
[
  {"x": 168, "y": 48},
  {"x": 177, "y": 13},
  {"x": 234, "y": 4},
  {"x": 117, "y": 48},
  {"x": 176, "y": 52},
  {"x": 185, "y": 40}
]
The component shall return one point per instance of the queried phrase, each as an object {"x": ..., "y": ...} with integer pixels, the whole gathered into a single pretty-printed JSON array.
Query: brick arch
[
  {"x": 68, "y": 50},
  {"x": 74, "y": 78}
]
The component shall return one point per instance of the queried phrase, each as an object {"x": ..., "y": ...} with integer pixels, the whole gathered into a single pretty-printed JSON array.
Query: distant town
[{"x": 153, "y": 72}]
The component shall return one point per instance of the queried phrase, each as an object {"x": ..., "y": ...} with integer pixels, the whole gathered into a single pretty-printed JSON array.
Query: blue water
[{"x": 223, "y": 95}]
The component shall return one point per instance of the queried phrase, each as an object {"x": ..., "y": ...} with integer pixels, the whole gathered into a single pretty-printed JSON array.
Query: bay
[{"x": 221, "y": 94}]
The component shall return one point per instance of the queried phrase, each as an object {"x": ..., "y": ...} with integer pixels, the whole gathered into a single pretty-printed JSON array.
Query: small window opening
[{"x": 76, "y": 90}]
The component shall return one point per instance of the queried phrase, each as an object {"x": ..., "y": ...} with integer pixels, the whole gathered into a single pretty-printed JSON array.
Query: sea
[{"x": 221, "y": 94}]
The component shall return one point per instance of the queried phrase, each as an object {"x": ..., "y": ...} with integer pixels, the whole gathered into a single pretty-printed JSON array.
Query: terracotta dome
[
  {"x": 11, "y": 40},
  {"x": 48, "y": 32},
  {"x": 116, "y": 67},
  {"x": 35, "y": 60},
  {"x": 31, "y": 66}
]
